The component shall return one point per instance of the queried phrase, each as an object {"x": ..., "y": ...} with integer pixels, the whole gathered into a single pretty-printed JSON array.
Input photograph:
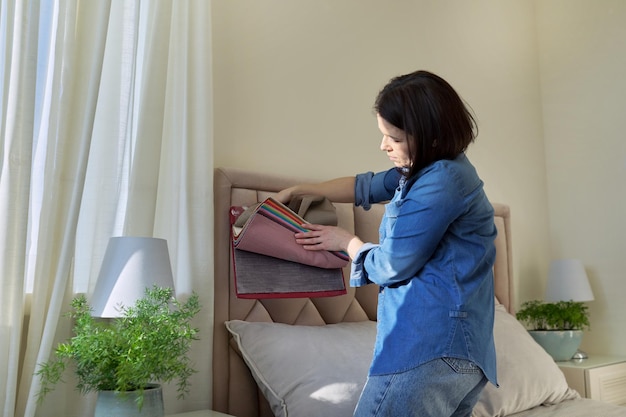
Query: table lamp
[
  {"x": 568, "y": 281},
  {"x": 130, "y": 266}
]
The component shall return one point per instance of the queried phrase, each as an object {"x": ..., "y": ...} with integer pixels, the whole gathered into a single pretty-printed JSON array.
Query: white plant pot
[
  {"x": 116, "y": 404},
  {"x": 560, "y": 344}
]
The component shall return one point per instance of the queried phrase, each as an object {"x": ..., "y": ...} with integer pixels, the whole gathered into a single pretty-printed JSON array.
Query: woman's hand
[
  {"x": 285, "y": 196},
  {"x": 332, "y": 238}
]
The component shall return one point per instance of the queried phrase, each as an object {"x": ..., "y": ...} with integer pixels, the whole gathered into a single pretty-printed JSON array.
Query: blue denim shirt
[{"x": 434, "y": 266}]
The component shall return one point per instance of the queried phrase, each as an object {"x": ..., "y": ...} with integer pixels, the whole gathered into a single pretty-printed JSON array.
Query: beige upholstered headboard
[{"x": 234, "y": 390}]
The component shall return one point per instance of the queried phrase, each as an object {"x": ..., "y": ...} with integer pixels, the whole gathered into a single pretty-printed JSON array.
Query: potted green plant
[
  {"x": 556, "y": 326},
  {"x": 146, "y": 345}
]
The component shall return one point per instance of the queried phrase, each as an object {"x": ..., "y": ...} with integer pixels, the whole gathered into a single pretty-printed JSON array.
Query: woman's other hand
[{"x": 332, "y": 238}]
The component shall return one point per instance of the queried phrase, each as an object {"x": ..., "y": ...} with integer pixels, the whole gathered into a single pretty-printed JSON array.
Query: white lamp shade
[
  {"x": 130, "y": 266},
  {"x": 567, "y": 280}
]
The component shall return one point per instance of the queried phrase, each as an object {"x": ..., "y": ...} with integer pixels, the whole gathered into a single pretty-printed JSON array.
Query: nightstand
[
  {"x": 200, "y": 413},
  {"x": 599, "y": 377}
]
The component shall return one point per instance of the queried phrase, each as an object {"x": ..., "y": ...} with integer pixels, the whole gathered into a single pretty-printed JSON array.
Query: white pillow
[
  {"x": 527, "y": 375},
  {"x": 307, "y": 371}
]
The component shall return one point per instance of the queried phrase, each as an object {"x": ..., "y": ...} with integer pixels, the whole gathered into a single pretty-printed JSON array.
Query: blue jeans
[{"x": 446, "y": 387}]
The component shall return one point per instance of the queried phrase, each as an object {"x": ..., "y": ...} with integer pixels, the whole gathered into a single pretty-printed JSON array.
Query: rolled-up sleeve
[
  {"x": 373, "y": 188},
  {"x": 358, "y": 274}
]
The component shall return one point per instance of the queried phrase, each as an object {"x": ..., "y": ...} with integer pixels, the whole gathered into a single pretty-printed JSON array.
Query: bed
[{"x": 303, "y": 357}]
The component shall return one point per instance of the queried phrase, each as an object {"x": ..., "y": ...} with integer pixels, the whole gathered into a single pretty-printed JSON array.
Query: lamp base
[{"x": 579, "y": 355}]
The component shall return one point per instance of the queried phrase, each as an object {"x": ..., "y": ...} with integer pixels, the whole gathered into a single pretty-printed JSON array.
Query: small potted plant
[
  {"x": 148, "y": 344},
  {"x": 557, "y": 326}
]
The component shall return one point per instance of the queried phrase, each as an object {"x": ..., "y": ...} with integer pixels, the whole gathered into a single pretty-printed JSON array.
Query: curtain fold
[
  {"x": 17, "y": 93},
  {"x": 114, "y": 139},
  {"x": 185, "y": 198}
]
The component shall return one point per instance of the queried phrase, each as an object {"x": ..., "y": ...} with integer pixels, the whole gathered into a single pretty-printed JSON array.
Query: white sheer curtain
[{"x": 105, "y": 130}]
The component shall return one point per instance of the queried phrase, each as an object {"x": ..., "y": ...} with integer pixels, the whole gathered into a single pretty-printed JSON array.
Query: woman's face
[{"x": 394, "y": 143}]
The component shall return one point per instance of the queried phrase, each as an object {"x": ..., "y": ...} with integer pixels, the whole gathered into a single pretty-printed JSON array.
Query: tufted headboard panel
[{"x": 234, "y": 390}]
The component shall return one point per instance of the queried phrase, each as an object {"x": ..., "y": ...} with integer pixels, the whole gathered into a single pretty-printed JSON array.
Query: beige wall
[
  {"x": 583, "y": 84},
  {"x": 295, "y": 81}
]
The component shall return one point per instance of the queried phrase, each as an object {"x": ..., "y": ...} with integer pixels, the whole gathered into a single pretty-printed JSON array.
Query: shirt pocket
[{"x": 392, "y": 210}]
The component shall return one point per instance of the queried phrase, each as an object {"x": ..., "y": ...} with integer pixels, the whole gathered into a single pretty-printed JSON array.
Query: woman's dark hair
[{"x": 432, "y": 114}]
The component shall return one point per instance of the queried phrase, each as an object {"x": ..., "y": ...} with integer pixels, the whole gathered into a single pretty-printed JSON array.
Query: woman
[{"x": 434, "y": 348}]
